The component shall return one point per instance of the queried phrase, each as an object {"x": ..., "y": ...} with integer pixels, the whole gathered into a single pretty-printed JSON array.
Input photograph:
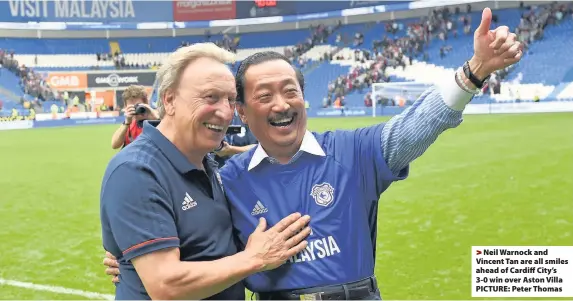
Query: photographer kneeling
[{"x": 136, "y": 110}]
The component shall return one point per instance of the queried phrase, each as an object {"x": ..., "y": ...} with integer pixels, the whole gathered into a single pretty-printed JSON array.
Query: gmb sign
[{"x": 118, "y": 80}]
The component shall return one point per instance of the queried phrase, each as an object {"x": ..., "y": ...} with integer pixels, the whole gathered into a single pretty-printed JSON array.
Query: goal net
[{"x": 396, "y": 93}]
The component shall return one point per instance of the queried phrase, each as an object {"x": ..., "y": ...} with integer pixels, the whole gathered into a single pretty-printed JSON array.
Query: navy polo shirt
[
  {"x": 336, "y": 178},
  {"x": 153, "y": 198}
]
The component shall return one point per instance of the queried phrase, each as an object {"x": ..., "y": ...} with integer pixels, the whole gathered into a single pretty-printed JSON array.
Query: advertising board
[
  {"x": 16, "y": 125},
  {"x": 107, "y": 11},
  {"x": 520, "y": 108},
  {"x": 355, "y": 112},
  {"x": 67, "y": 80},
  {"x": 199, "y": 10},
  {"x": 313, "y": 6},
  {"x": 74, "y": 122},
  {"x": 265, "y": 8},
  {"x": 118, "y": 80}
]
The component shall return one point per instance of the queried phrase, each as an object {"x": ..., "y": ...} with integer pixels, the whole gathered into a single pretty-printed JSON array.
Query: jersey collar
[{"x": 309, "y": 145}]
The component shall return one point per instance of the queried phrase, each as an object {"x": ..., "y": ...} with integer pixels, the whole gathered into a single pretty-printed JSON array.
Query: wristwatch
[{"x": 468, "y": 73}]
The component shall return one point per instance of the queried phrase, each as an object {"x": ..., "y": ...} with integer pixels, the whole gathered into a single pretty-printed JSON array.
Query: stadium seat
[{"x": 546, "y": 72}]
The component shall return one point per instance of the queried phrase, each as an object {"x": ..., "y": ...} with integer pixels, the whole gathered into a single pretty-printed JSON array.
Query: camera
[
  {"x": 140, "y": 109},
  {"x": 234, "y": 129}
]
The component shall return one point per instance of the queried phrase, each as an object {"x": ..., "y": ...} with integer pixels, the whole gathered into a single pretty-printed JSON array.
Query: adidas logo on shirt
[
  {"x": 188, "y": 202},
  {"x": 259, "y": 209}
]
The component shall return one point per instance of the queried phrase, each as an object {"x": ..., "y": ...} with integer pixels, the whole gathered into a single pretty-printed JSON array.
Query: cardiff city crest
[{"x": 323, "y": 194}]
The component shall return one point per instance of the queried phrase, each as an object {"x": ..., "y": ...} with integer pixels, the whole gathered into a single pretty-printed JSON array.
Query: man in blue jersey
[{"x": 336, "y": 177}]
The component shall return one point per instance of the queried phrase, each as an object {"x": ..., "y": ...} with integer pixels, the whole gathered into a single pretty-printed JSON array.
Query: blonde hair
[
  {"x": 169, "y": 74},
  {"x": 134, "y": 92}
]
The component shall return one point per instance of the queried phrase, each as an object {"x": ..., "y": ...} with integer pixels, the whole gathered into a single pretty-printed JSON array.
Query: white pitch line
[{"x": 55, "y": 289}]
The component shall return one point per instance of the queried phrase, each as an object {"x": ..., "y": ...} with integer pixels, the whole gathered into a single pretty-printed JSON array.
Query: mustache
[{"x": 283, "y": 115}]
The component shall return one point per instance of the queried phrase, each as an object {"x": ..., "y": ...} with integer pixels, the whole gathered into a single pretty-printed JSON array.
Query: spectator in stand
[
  {"x": 136, "y": 110},
  {"x": 319, "y": 35},
  {"x": 368, "y": 100},
  {"x": 440, "y": 23},
  {"x": 54, "y": 109}
]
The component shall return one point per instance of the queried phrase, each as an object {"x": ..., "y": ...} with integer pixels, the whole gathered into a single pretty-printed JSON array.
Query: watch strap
[{"x": 468, "y": 73}]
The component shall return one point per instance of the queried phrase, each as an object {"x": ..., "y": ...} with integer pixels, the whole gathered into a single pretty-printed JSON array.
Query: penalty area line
[{"x": 55, "y": 289}]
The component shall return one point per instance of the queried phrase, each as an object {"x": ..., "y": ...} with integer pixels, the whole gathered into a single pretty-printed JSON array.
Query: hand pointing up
[{"x": 493, "y": 49}]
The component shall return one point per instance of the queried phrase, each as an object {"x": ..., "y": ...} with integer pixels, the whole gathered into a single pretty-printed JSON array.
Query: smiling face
[
  {"x": 203, "y": 104},
  {"x": 274, "y": 107}
]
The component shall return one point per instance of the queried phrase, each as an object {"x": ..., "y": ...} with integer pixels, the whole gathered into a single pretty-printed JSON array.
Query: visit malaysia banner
[{"x": 106, "y": 11}]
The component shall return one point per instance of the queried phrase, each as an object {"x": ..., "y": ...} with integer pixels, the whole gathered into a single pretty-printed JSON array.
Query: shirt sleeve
[
  {"x": 408, "y": 135},
  {"x": 382, "y": 153},
  {"x": 139, "y": 214},
  {"x": 366, "y": 159}
]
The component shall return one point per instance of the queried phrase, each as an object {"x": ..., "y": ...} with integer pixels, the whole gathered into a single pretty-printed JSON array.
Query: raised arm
[{"x": 407, "y": 136}]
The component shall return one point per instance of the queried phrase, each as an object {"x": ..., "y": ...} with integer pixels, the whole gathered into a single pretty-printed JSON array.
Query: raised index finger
[{"x": 285, "y": 222}]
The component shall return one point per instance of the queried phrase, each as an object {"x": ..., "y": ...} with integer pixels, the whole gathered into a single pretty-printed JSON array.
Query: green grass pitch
[{"x": 495, "y": 180}]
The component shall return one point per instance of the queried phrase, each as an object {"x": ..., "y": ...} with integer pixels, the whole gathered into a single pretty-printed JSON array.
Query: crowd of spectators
[
  {"x": 119, "y": 61},
  {"x": 441, "y": 24},
  {"x": 533, "y": 21},
  {"x": 117, "y": 57},
  {"x": 31, "y": 82},
  {"x": 383, "y": 53},
  {"x": 531, "y": 28},
  {"x": 318, "y": 35},
  {"x": 35, "y": 89},
  {"x": 373, "y": 61}
]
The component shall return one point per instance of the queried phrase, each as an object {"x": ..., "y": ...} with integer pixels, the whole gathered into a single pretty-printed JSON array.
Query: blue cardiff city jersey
[{"x": 336, "y": 189}]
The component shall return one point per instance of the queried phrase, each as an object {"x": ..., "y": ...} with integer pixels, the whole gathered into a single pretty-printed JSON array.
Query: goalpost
[{"x": 401, "y": 93}]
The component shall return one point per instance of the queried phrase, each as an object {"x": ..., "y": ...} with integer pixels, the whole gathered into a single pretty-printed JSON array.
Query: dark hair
[{"x": 259, "y": 58}]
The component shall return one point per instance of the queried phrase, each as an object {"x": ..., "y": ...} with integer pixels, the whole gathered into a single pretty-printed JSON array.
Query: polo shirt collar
[
  {"x": 308, "y": 145},
  {"x": 174, "y": 155}
]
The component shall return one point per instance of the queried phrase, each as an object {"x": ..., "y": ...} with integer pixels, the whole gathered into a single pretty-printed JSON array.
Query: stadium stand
[
  {"x": 545, "y": 69},
  {"x": 340, "y": 61}
]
